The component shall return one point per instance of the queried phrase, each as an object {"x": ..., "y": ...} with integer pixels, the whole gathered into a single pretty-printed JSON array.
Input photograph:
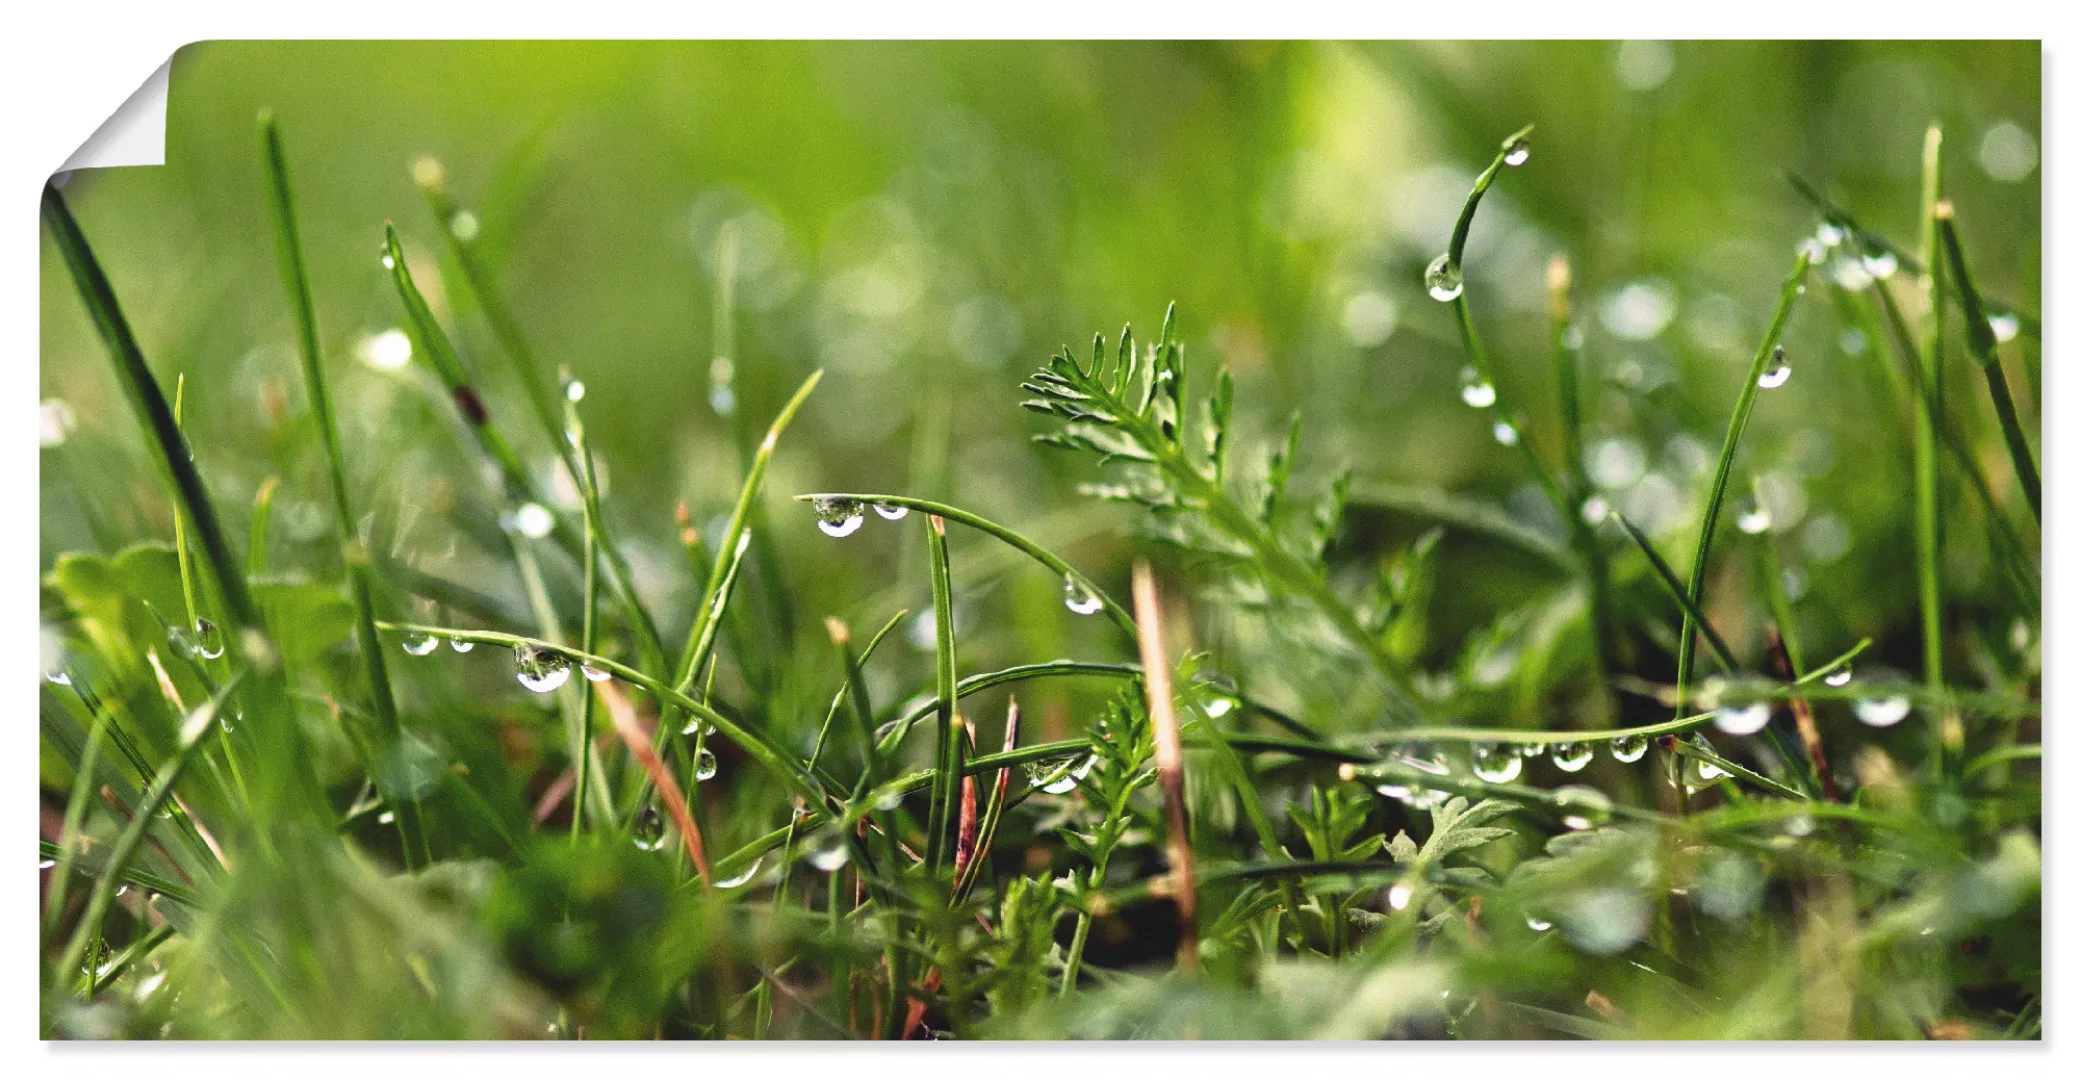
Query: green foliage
[{"x": 1432, "y": 782}]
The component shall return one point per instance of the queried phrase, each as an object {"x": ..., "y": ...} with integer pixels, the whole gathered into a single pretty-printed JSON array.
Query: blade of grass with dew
[
  {"x": 1454, "y": 279},
  {"x": 1717, "y": 494},
  {"x": 2026, "y": 323},
  {"x": 75, "y": 815},
  {"x": 1039, "y": 554},
  {"x": 1979, "y": 339},
  {"x": 429, "y": 176}
]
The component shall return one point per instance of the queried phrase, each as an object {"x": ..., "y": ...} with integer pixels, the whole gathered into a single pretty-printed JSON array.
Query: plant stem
[{"x": 1979, "y": 339}]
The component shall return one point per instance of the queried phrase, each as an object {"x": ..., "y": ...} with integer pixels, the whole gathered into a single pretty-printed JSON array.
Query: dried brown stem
[{"x": 1170, "y": 759}]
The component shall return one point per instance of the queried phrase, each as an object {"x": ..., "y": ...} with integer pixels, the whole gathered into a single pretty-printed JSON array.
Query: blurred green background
[{"x": 926, "y": 222}]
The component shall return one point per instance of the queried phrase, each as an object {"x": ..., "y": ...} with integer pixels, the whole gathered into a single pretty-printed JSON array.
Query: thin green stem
[
  {"x": 1717, "y": 494},
  {"x": 946, "y": 786},
  {"x": 1979, "y": 340},
  {"x": 1677, "y": 592},
  {"x": 1929, "y": 537}
]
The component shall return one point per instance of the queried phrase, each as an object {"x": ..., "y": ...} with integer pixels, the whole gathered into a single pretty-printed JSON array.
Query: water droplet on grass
[
  {"x": 208, "y": 640},
  {"x": 1745, "y": 720},
  {"x": 1881, "y": 264},
  {"x": 1838, "y": 677},
  {"x": 1219, "y": 706},
  {"x": 1398, "y": 896},
  {"x": 1754, "y": 520},
  {"x": 648, "y": 833},
  {"x": 1595, "y": 510},
  {"x": 388, "y": 262},
  {"x": 1078, "y": 599},
  {"x": 830, "y": 859},
  {"x": 1506, "y": 433},
  {"x": 1497, "y": 764},
  {"x": 1775, "y": 375},
  {"x": 533, "y": 520},
  {"x": 1537, "y": 925},
  {"x": 594, "y": 674},
  {"x": 705, "y": 765},
  {"x": 2005, "y": 324},
  {"x": 1829, "y": 234},
  {"x": 1517, "y": 151},
  {"x": 1882, "y": 712},
  {"x": 891, "y": 513},
  {"x": 420, "y": 644},
  {"x": 459, "y": 645},
  {"x": 1573, "y": 756},
  {"x": 1628, "y": 749},
  {"x": 1475, "y": 390},
  {"x": 387, "y": 817},
  {"x": 1061, "y": 779},
  {"x": 464, "y": 226},
  {"x": 58, "y": 678},
  {"x": 1531, "y": 750},
  {"x": 838, "y": 517},
  {"x": 574, "y": 390},
  {"x": 741, "y": 877},
  {"x": 1443, "y": 279},
  {"x": 539, "y": 669}
]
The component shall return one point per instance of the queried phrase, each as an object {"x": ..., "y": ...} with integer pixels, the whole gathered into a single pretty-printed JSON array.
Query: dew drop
[
  {"x": 1060, "y": 779},
  {"x": 1532, "y": 750},
  {"x": 459, "y": 645},
  {"x": 723, "y": 400},
  {"x": 464, "y": 226},
  {"x": 1573, "y": 756},
  {"x": 649, "y": 830},
  {"x": 420, "y": 644},
  {"x": 1443, "y": 279},
  {"x": 1506, "y": 433},
  {"x": 594, "y": 674},
  {"x": 1881, "y": 264},
  {"x": 1517, "y": 151},
  {"x": 1537, "y": 925},
  {"x": 387, "y": 817},
  {"x": 208, "y": 640},
  {"x": 574, "y": 390},
  {"x": 1882, "y": 712},
  {"x": 532, "y": 520},
  {"x": 705, "y": 765},
  {"x": 2005, "y": 324},
  {"x": 1398, "y": 896},
  {"x": 540, "y": 670},
  {"x": 1628, "y": 749},
  {"x": 1078, "y": 599},
  {"x": 388, "y": 262},
  {"x": 1475, "y": 390},
  {"x": 1743, "y": 720},
  {"x": 1754, "y": 520},
  {"x": 1219, "y": 706},
  {"x": 1775, "y": 375},
  {"x": 58, "y": 678},
  {"x": 829, "y": 859},
  {"x": 737, "y": 880},
  {"x": 1839, "y": 677},
  {"x": 891, "y": 513},
  {"x": 1595, "y": 510},
  {"x": 1498, "y": 764},
  {"x": 45, "y": 864},
  {"x": 1829, "y": 234},
  {"x": 695, "y": 727},
  {"x": 838, "y": 517}
]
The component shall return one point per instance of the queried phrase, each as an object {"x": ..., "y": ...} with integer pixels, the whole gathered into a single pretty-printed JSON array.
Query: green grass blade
[
  {"x": 1979, "y": 339},
  {"x": 163, "y": 434},
  {"x": 1716, "y": 496},
  {"x": 289, "y": 253},
  {"x": 1929, "y": 526},
  {"x": 1675, "y": 586},
  {"x": 946, "y": 785}
]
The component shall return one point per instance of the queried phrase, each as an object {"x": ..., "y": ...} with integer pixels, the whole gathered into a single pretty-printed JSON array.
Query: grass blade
[
  {"x": 1929, "y": 534},
  {"x": 1717, "y": 495},
  {"x": 947, "y": 760},
  {"x": 1675, "y": 585},
  {"x": 1979, "y": 339}
]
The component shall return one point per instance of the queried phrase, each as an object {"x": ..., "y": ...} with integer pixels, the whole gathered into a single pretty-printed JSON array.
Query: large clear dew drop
[
  {"x": 1742, "y": 719},
  {"x": 1078, "y": 599},
  {"x": 839, "y": 517},
  {"x": 1628, "y": 749},
  {"x": 540, "y": 670},
  {"x": 1882, "y": 712},
  {"x": 1475, "y": 390},
  {"x": 1497, "y": 764},
  {"x": 1775, "y": 374},
  {"x": 1443, "y": 279},
  {"x": 890, "y": 512},
  {"x": 1573, "y": 756}
]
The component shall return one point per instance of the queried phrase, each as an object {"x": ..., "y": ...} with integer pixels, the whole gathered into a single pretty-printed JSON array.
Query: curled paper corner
[{"x": 135, "y": 134}]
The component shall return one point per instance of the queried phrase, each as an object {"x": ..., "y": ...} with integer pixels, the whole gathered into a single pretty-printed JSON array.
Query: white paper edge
[{"x": 135, "y": 134}]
